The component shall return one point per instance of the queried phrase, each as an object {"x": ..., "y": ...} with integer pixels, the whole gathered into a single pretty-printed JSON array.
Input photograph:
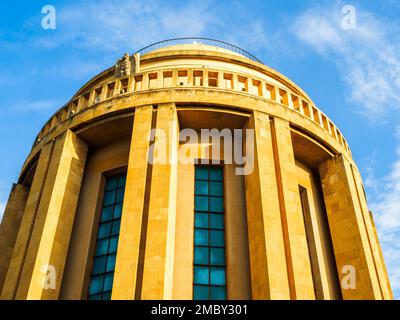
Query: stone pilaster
[
  {"x": 48, "y": 246},
  {"x": 28, "y": 220},
  {"x": 372, "y": 237},
  {"x": 386, "y": 276},
  {"x": 160, "y": 237},
  {"x": 9, "y": 226},
  {"x": 349, "y": 235},
  {"x": 297, "y": 255},
  {"x": 126, "y": 269},
  {"x": 269, "y": 278}
]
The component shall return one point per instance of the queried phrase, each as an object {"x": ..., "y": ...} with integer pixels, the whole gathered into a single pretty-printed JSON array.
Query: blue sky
[{"x": 352, "y": 75}]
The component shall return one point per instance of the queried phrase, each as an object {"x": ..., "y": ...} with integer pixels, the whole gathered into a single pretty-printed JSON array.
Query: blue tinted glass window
[
  {"x": 201, "y": 173},
  {"x": 99, "y": 265},
  {"x": 201, "y": 220},
  {"x": 106, "y": 296},
  {"x": 201, "y": 275},
  {"x": 96, "y": 285},
  {"x": 201, "y": 255},
  {"x": 120, "y": 195},
  {"x": 115, "y": 227},
  {"x": 108, "y": 281},
  {"x": 122, "y": 181},
  {"x": 217, "y": 221},
  {"x": 216, "y": 204},
  {"x": 200, "y": 292},
  {"x": 209, "y": 269},
  {"x": 217, "y": 256},
  {"x": 201, "y": 188},
  {"x": 113, "y": 245},
  {"x": 201, "y": 203},
  {"x": 111, "y": 263},
  {"x": 216, "y": 189},
  {"x": 104, "y": 230},
  {"x": 109, "y": 198},
  {"x": 218, "y": 293},
  {"x": 111, "y": 183},
  {"x": 217, "y": 238},
  {"x": 102, "y": 274},
  {"x": 216, "y": 174},
  {"x": 102, "y": 247},
  {"x": 217, "y": 276},
  {"x": 201, "y": 237},
  {"x": 118, "y": 210},
  {"x": 107, "y": 213}
]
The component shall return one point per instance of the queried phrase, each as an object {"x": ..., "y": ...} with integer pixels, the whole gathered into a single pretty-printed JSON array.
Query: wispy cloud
[
  {"x": 368, "y": 57},
  {"x": 388, "y": 202},
  {"x": 385, "y": 196},
  {"x": 102, "y": 30},
  {"x": 27, "y": 106},
  {"x": 117, "y": 26}
]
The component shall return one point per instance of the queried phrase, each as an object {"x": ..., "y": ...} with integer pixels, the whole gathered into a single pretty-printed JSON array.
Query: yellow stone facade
[{"x": 297, "y": 225}]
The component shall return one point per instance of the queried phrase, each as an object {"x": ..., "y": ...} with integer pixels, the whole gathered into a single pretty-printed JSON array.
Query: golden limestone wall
[
  {"x": 353, "y": 239},
  {"x": 9, "y": 228},
  {"x": 297, "y": 224}
]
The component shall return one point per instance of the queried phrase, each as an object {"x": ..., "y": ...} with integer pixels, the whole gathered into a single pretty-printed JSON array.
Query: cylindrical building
[{"x": 190, "y": 170}]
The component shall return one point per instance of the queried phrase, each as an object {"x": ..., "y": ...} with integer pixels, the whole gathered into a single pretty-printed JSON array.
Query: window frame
[
  {"x": 209, "y": 212},
  {"x": 119, "y": 173}
]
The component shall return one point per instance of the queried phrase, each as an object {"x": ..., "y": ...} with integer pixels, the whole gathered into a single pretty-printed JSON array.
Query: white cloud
[
  {"x": 368, "y": 57},
  {"x": 371, "y": 182},
  {"x": 103, "y": 30},
  {"x": 258, "y": 40},
  {"x": 397, "y": 133},
  {"x": 117, "y": 26},
  {"x": 110, "y": 27},
  {"x": 87, "y": 68},
  {"x": 23, "y": 106},
  {"x": 385, "y": 204}
]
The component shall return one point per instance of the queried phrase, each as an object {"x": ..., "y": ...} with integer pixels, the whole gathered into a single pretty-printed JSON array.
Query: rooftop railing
[
  {"x": 198, "y": 40},
  {"x": 194, "y": 79}
]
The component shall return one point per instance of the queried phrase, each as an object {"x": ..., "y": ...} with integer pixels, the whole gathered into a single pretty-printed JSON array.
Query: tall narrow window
[
  {"x": 107, "y": 239},
  {"x": 312, "y": 250},
  {"x": 209, "y": 270}
]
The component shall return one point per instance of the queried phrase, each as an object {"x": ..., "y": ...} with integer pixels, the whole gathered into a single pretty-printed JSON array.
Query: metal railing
[{"x": 198, "y": 40}]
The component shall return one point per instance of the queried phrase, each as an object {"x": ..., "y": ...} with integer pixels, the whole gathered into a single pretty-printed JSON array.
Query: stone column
[
  {"x": 190, "y": 77},
  {"x": 386, "y": 276},
  {"x": 159, "y": 247},
  {"x": 349, "y": 235},
  {"x": 237, "y": 250},
  {"x": 127, "y": 263},
  {"x": 9, "y": 226},
  {"x": 27, "y": 223},
  {"x": 269, "y": 278},
  {"x": 297, "y": 255},
  {"x": 372, "y": 237},
  {"x": 48, "y": 247}
]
